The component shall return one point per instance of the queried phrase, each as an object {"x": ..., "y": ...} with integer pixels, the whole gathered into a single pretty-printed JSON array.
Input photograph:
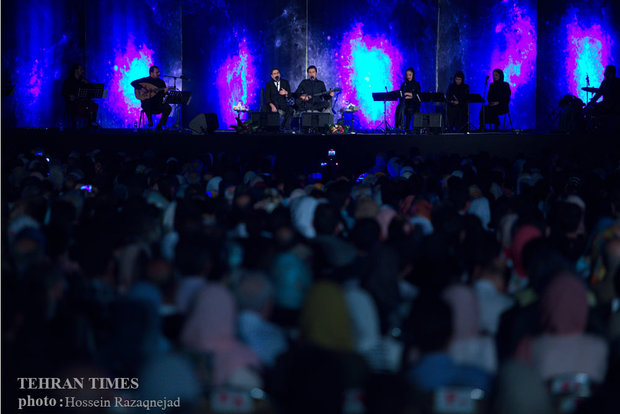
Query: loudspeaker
[
  {"x": 268, "y": 121},
  {"x": 424, "y": 120},
  {"x": 204, "y": 123},
  {"x": 314, "y": 120}
]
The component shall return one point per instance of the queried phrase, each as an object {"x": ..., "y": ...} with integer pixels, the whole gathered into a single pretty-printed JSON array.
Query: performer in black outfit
[
  {"x": 306, "y": 90},
  {"x": 457, "y": 103},
  {"x": 78, "y": 107},
  {"x": 498, "y": 97},
  {"x": 409, "y": 101},
  {"x": 154, "y": 105},
  {"x": 610, "y": 91},
  {"x": 277, "y": 91}
]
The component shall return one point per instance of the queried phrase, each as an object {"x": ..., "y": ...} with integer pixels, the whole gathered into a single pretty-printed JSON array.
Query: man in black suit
[
  {"x": 277, "y": 91},
  {"x": 307, "y": 91}
]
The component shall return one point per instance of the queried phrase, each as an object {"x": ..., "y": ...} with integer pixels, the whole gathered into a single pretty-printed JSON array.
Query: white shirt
[{"x": 491, "y": 304}]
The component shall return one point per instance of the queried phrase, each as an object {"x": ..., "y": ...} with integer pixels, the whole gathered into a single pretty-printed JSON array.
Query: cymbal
[{"x": 588, "y": 89}]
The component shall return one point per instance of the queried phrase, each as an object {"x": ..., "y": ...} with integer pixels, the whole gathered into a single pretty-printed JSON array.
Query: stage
[{"x": 354, "y": 151}]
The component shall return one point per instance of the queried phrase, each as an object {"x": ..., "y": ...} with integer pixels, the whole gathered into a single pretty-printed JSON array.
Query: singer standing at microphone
[
  {"x": 457, "y": 103},
  {"x": 310, "y": 87},
  {"x": 409, "y": 101},
  {"x": 277, "y": 91},
  {"x": 499, "y": 98}
]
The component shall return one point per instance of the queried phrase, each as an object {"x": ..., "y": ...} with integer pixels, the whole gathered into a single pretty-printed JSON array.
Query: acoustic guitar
[{"x": 148, "y": 91}]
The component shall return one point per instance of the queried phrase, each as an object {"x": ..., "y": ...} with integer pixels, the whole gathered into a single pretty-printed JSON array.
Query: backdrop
[{"x": 226, "y": 49}]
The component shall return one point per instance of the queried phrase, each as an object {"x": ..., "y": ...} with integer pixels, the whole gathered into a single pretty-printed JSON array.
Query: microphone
[
  {"x": 487, "y": 77},
  {"x": 587, "y": 79},
  {"x": 277, "y": 79},
  {"x": 312, "y": 78}
]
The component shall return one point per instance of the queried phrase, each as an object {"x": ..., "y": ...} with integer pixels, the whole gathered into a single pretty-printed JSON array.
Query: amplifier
[
  {"x": 426, "y": 120},
  {"x": 314, "y": 120},
  {"x": 269, "y": 121}
]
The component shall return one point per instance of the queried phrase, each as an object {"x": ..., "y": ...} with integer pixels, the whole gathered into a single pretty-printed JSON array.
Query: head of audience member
[
  {"x": 521, "y": 238},
  {"x": 255, "y": 293},
  {"x": 564, "y": 306},
  {"x": 365, "y": 235},
  {"x": 325, "y": 320},
  {"x": 429, "y": 326},
  {"x": 488, "y": 263},
  {"x": 520, "y": 389},
  {"x": 326, "y": 220},
  {"x": 464, "y": 303}
]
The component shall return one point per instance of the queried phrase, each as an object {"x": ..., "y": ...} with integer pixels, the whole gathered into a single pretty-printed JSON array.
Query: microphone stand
[
  {"x": 178, "y": 126},
  {"x": 484, "y": 111}
]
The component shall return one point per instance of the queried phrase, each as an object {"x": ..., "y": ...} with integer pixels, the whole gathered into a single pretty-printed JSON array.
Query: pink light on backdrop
[
  {"x": 367, "y": 64},
  {"x": 588, "y": 51}
]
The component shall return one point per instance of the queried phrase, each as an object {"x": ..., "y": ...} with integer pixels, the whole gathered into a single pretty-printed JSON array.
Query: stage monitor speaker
[
  {"x": 426, "y": 120},
  {"x": 204, "y": 123},
  {"x": 268, "y": 121},
  {"x": 314, "y": 120}
]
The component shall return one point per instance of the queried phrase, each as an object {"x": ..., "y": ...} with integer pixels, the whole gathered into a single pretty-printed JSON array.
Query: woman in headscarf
[
  {"x": 315, "y": 374},
  {"x": 211, "y": 328},
  {"x": 522, "y": 236},
  {"x": 409, "y": 101},
  {"x": 457, "y": 103},
  {"x": 467, "y": 345},
  {"x": 564, "y": 347},
  {"x": 498, "y": 97}
]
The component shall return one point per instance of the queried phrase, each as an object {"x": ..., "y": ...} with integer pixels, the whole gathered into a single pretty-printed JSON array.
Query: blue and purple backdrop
[{"x": 547, "y": 49}]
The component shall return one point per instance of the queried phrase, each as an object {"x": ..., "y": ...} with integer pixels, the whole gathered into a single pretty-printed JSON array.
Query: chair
[
  {"x": 507, "y": 114},
  {"x": 143, "y": 121}
]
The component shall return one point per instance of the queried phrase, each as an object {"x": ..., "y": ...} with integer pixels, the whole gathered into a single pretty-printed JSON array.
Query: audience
[{"x": 221, "y": 271}]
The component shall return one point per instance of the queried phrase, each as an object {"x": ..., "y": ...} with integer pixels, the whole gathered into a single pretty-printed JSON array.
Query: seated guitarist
[
  {"x": 151, "y": 91},
  {"x": 306, "y": 91}
]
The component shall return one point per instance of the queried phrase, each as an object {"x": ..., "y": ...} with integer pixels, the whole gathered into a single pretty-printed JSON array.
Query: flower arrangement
[{"x": 338, "y": 128}]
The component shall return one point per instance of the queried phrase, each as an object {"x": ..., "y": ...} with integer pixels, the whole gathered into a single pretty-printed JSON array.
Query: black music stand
[
  {"x": 473, "y": 98},
  {"x": 178, "y": 98},
  {"x": 92, "y": 91},
  {"x": 385, "y": 97}
]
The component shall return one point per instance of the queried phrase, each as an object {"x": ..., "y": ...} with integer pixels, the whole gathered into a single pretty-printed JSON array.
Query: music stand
[
  {"x": 92, "y": 91},
  {"x": 385, "y": 97},
  {"x": 473, "y": 98},
  {"x": 177, "y": 98}
]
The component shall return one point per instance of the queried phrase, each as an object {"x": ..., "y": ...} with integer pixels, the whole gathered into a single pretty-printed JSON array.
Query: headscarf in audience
[
  {"x": 211, "y": 328},
  {"x": 523, "y": 236},
  {"x": 325, "y": 320}
]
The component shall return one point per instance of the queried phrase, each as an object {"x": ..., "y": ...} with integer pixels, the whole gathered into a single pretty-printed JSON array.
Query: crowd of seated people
[{"x": 426, "y": 272}]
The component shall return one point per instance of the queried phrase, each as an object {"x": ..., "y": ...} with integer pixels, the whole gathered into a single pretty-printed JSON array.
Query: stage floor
[{"x": 355, "y": 150}]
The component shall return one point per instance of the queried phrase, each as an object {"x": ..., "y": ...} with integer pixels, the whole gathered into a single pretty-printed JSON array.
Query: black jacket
[
  {"x": 309, "y": 87},
  {"x": 500, "y": 92},
  {"x": 272, "y": 96},
  {"x": 460, "y": 92}
]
